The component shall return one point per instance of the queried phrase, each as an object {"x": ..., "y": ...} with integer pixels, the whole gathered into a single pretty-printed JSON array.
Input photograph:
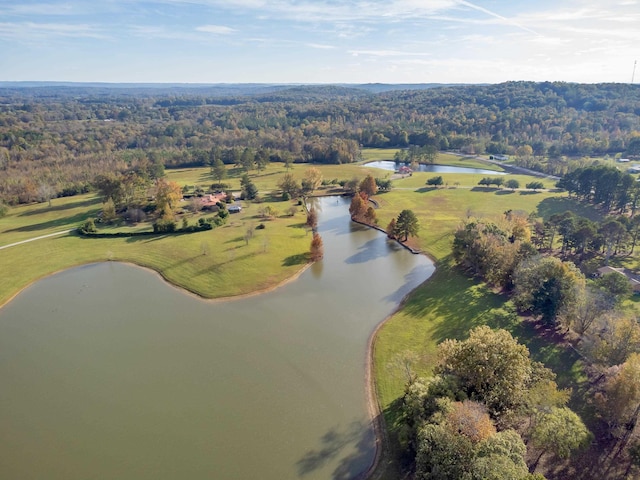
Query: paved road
[
  {"x": 35, "y": 238},
  {"x": 508, "y": 166}
]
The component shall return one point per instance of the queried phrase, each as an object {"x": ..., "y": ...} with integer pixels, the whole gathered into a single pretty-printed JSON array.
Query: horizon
[{"x": 306, "y": 42}]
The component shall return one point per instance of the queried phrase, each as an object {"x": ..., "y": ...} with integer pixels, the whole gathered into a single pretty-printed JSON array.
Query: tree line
[{"x": 61, "y": 142}]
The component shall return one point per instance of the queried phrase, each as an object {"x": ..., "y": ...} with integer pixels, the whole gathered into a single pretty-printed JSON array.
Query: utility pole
[{"x": 633, "y": 75}]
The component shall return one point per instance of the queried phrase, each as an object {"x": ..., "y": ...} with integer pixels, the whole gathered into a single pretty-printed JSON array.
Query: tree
[
  {"x": 247, "y": 159},
  {"x": 391, "y": 229},
  {"x": 435, "y": 181},
  {"x": 546, "y": 286},
  {"x": 535, "y": 185},
  {"x": 317, "y": 247},
  {"x": 369, "y": 186},
  {"x": 109, "y": 211},
  {"x": 492, "y": 367},
  {"x": 218, "y": 170},
  {"x": 358, "y": 206},
  {"x": 312, "y": 218},
  {"x": 407, "y": 225},
  {"x": 168, "y": 194},
  {"x": 512, "y": 183},
  {"x": 615, "y": 286},
  {"x": 617, "y": 339},
  {"x": 4, "y": 209},
  {"x": 249, "y": 190},
  {"x": 560, "y": 431},
  {"x": 370, "y": 216},
  {"x": 109, "y": 186},
  {"x": 619, "y": 402},
  {"x": 288, "y": 184},
  {"x": 384, "y": 184},
  {"x": 312, "y": 179}
]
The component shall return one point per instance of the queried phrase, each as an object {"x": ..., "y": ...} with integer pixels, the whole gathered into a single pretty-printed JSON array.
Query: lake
[
  {"x": 109, "y": 372},
  {"x": 393, "y": 166}
]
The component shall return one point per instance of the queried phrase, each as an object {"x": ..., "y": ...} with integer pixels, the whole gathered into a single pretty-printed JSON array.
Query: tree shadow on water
[
  {"x": 369, "y": 251},
  {"x": 353, "y": 446}
]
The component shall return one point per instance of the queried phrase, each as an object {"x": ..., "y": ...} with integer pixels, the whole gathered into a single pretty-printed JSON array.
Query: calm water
[
  {"x": 393, "y": 166},
  {"x": 107, "y": 372}
]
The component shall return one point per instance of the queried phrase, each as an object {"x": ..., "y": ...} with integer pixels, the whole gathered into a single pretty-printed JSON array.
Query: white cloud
[
  {"x": 320, "y": 46},
  {"x": 387, "y": 53},
  {"x": 216, "y": 29},
  {"x": 29, "y": 31}
]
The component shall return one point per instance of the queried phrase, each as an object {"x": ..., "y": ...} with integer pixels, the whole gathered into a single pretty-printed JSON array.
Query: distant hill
[{"x": 282, "y": 91}]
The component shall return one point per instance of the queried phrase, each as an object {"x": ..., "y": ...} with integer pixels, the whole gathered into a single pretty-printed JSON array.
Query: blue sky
[{"x": 319, "y": 41}]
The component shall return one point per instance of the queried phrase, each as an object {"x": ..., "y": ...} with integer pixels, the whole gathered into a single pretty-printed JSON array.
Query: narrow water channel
[{"x": 107, "y": 372}]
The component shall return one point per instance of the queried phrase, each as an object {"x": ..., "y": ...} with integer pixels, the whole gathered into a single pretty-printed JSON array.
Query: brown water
[{"x": 107, "y": 372}]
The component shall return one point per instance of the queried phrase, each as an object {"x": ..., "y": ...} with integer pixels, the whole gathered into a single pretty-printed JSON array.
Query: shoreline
[
  {"x": 180, "y": 288},
  {"x": 373, "y": 404}
]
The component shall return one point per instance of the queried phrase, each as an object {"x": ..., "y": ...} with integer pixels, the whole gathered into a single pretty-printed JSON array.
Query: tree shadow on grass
[
  {"x": 358, "y": 436},
  {"x": 484, "y": 189},
  {"x": 505, "y": 192},
  {"x": 456, "y": 303},
  {"x": 299, "y": 259},
  {"x": 58, "y": 208},
  {"x": 68, "y": 222},
  {"x": 553, "y": 205}
]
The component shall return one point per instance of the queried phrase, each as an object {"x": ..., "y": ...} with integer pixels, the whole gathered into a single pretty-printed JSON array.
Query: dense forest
[{"x": 54, "y": 140}]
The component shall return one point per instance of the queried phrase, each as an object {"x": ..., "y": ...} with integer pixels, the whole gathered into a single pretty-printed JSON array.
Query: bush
[
  {"x": 164, "y": 226},
  {"x": 286, "y": 197},
  {"x": 89, "y": 226}
]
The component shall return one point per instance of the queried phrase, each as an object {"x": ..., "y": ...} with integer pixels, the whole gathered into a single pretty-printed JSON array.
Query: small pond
[
  {"x": 393, "y": 166},
  {"x": 108, "y": 372}
]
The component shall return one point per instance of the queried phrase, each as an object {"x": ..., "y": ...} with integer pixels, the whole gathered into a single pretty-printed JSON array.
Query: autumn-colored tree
[
  {"x": 369, "y": 186},
  {"x": 312, "y": 179},
  {"x": 168, "y": 194},
  {"x": 312, "y": 218},
  {"x": 317, "y": 247},
  {"x": 370, "y": 216},
  {"x": 470, "y": 419},
  {"x": 619, "y": 402},
  {"x": 358, "y": 207},
  {"x": 618, "y": 337},
  {"x": 391, "y": 229}
]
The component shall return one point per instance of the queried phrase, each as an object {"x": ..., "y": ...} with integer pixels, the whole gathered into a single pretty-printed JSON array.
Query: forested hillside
[{"x": 55, "y": 140}]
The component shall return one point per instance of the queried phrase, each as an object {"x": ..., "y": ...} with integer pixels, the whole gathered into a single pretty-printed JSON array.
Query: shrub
[{"x": 164, "y": 226}]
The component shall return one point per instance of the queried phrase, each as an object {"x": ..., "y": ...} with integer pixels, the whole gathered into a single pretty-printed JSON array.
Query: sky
[{"x": 319, "y": 41}]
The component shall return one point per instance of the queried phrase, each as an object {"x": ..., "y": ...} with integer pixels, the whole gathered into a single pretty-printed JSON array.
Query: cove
[
  {"x": 109, "y": 372},
  {"x": 393, "y": 166}
]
